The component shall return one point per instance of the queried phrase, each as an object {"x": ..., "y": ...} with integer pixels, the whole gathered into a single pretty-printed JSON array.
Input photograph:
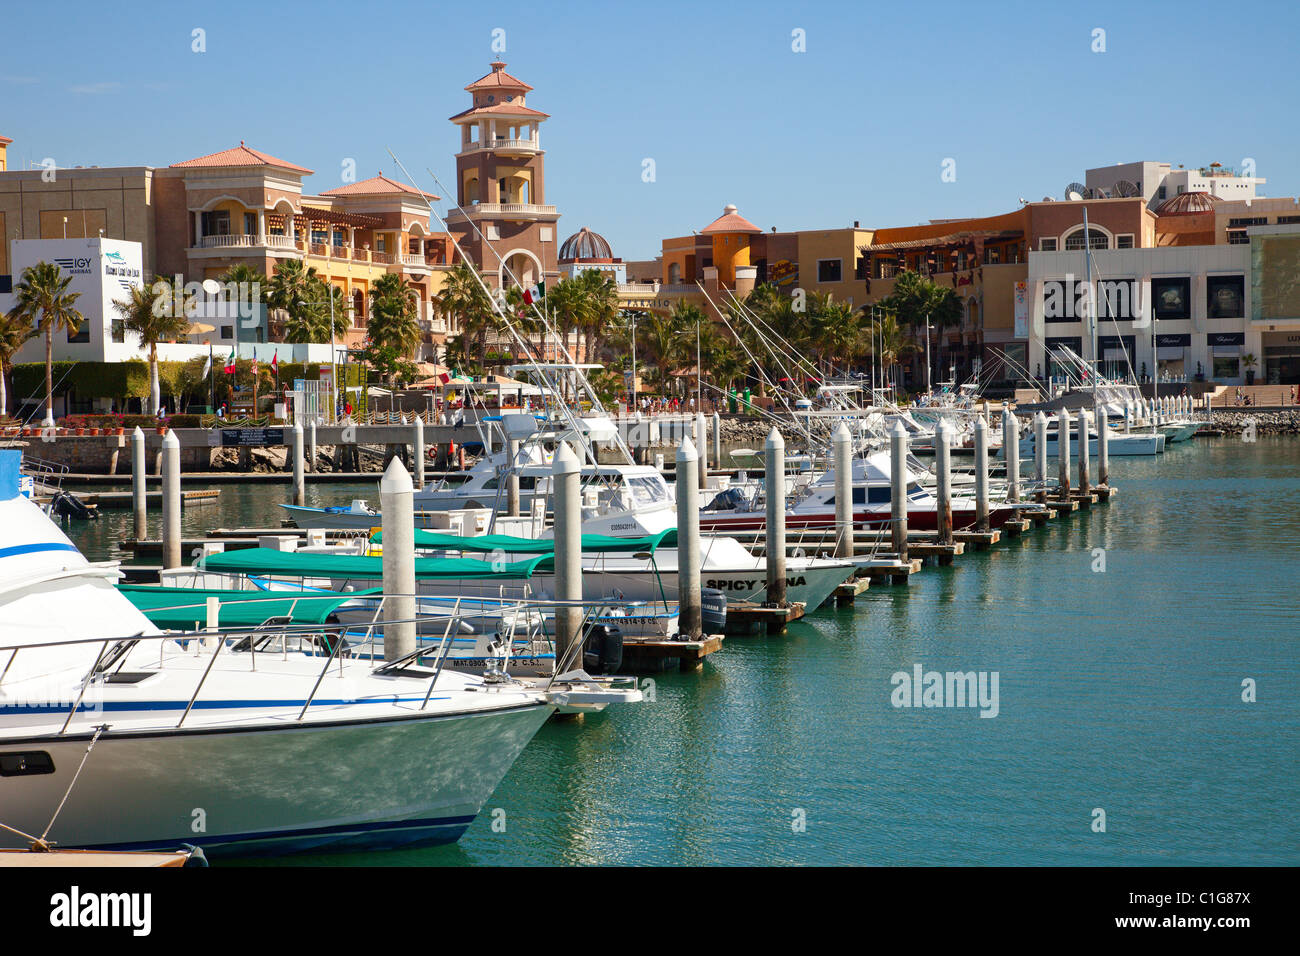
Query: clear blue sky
[{"x": 856, "y": 127}]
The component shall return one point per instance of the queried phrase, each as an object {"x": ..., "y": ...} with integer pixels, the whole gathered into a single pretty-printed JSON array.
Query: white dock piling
[
  {"x": 842, "y": 452},
  {"x": 311, "y": 447},
  {"x": 171, "y": 500},
  {"x": 1040, "y": 454},
  {"x": 1063, "y": 453},
  {"x": 690, "y": 619},
  {"x": 717, "y": 440},
  {"x": 943, "y": 481},
  {"x": 299, "y": 479},
  {"x": 1011, "y": 453},
  {"x": 1103, "y": 447},
  {"x": 774, "y": 478},
  {"x": 567, "y": 505},
  {"x": 981, "y": 474},
  {"x": 1085, "y": 469},
  {"x": 898, "y": 489},
  {"x": 417, "y": 451},
  {"x": 702, "y": 461},
  {"x": 398, "y": 525},
  {"x": 1128, "y": 417},
  {"x": 138, "y": 497},
  {"x": 512, "y": 479}
]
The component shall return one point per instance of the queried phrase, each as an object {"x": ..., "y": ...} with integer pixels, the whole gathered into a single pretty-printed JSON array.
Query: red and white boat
[{"x": 813, "y": 506}]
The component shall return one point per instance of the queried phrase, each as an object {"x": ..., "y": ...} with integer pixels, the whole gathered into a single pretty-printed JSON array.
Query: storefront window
[
  {"x": 1226, "y": 366},
  {"x": 1225, "y": 297},
  {"x": 1172, "y": 297}
]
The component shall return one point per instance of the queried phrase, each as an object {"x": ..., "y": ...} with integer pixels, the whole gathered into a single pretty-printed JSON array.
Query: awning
[
  {"x": 185, "y": 609},
  {"x": 1226, "y": 338},
  {"x": 1172, "y": 340},
  {"x": 509, "y": 544},
  {"x": 313, "y": 565}
]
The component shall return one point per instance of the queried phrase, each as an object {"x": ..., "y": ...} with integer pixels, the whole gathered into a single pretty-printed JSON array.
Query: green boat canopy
[
  {"x": 310, "y": 565},
  {"x": 185, "y": 609},
  {"x": 508, "y": 544}
]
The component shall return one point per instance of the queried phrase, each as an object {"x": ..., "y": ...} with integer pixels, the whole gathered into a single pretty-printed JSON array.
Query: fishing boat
[
  {"x": 237, "y": 740},
  {"x": 1117, "y": 443},
  {"x": 813, "y": 507}
]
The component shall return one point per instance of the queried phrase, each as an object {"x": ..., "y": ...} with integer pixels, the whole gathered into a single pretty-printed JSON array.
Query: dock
[
  {"x": 751, "y": 617},
  {"x": 651, "y": 657}
]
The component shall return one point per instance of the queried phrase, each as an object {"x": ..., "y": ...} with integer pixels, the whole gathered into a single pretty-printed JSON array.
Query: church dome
[{"x": 585, "y": 244}]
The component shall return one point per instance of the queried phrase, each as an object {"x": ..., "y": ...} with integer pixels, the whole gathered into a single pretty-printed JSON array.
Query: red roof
[
  {"x": 5, "y": 140},
  {"x": 241, "y": 155},
  {"x": 730, "y": 221},
  {"x": 499, "y": 109},
  {"x": 377, "y": 186},
  {"x": 498, "y": 79}
]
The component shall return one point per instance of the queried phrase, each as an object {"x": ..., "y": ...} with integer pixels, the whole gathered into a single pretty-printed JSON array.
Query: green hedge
[{"x": 130, "y": 379}]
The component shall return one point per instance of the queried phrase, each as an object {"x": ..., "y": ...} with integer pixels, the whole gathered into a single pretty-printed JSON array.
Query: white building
[
  {"x": 1199, "y": 296},
  {"x": 1156, "y": 182}
]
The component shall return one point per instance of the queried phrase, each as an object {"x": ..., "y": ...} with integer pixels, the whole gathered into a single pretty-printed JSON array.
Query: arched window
[{"x": 1096, "y": 239}]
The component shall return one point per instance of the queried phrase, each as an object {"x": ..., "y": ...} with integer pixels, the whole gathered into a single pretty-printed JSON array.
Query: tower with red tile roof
[{"x": 503, "y": 222}]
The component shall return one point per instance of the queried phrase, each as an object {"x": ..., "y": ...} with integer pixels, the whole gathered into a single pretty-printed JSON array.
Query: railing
[
  {"x": 504, "y": 208},
  {"x": 225, "y": 242},
  {"x": 384, "y": 258},
  {"x": 638, "y": 288},
  {"x": 502, "y": 143},
  {"x": 413, "y": 260}
]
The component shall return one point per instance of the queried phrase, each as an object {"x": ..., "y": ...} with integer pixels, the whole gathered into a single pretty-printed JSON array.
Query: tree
[
  {"x": 601, "y": 311},
  {"x": 570, "y": 306},
  {"x": 464, "y": 300},
  {"x": 14, "y": 334},
  {"x": 159, "y": 313},
  {"x": 393, "y": 330},
  {"x": 293, "y": 292},
  {"x": 916, "y": 299},
  {"x": 43, "y": 301},
  {"x": 835, "y": 330},
  {"x": 889, "y": 342}
]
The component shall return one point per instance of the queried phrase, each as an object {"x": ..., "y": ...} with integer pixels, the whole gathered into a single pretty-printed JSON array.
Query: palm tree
[
  {"x": 393, "y": 329},
  {"x": 570, "y": 306},
  {"x": 601, "y": 311},
  {"x": 291, "y": 292},
  {"x": 889, "y": 342},
  {"x": 159, "y": 313},
  {"x": 835, "y": 328},
  {"x": 14, "y": 333},
  {"x": 43, "y": 300},
  {"x": 463, "y": 299},
  {"x": 918, "y": 301}
]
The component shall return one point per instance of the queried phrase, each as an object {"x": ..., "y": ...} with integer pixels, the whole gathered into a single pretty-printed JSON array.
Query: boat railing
[{"x": 324, "y": 639}]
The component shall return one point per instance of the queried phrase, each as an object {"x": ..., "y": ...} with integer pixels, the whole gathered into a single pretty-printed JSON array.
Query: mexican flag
[
  {"x": 230, "y": 363},
  {"x": 533, "y": 293},
  {"x": 275, "y": 362}
]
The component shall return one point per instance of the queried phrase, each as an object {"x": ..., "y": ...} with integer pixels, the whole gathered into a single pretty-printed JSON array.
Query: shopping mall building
[{"x": 1216, "y": 263}]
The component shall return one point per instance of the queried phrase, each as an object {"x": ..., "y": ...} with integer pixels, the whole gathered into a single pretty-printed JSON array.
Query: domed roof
[
  {"x": 585, "y": 244},
  {"x": 1187, "y": 204},
  {"x": 730, "y": 221}
]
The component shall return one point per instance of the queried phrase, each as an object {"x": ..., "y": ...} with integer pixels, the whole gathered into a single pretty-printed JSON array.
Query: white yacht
[{"x": 241, "y": 742}]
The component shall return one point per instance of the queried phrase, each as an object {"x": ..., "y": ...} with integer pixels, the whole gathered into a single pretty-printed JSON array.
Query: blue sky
[{"x": 857, "y": 127}]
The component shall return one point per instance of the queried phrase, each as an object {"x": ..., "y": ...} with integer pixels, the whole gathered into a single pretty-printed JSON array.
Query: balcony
[
  {"x": 411, "y": 261},
  {"x": 506, "y": 210},
  {"x": 638, "y": 288},
  {"x": 506, "y": 147}
]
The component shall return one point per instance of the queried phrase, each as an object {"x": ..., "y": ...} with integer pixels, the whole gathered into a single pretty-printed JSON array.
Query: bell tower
[{"x": 501, "y": 184}]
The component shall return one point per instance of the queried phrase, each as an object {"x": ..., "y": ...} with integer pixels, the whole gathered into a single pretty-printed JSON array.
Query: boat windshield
[{"x": 648, "y": 490}]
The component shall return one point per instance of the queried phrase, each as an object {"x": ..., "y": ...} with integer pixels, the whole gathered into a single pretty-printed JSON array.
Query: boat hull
[{"x": 367, "y": 784}]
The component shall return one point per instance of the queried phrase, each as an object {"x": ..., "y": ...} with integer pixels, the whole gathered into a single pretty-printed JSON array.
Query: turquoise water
[{"x": 1119, "y": 690}]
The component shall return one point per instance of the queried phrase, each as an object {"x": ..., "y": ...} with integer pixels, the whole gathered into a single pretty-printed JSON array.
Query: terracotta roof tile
[
  {"x": 240, "y": 155},
  {"x": 730, "y": 221},
  {"x": 498, "y": 79},
  {"x": 377, "y": 186},
  {"x": 501, "y": 109}
]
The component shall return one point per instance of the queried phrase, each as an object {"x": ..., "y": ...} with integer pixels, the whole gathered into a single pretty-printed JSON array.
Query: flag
[
  {"x": 230, "y": 363},
  {"x": 532, "y": 294},
  {"x": 207, "y": 366},
  {"x": 275, "y": 362},
  {"x": 444, "y": 378}
]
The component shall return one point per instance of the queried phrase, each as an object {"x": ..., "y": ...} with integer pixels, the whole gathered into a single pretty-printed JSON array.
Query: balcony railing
[
  {"x": 322, "y": 249},
  {"x": 384, "y": 258},
  {"x": 413, "y": 260},
  {"x": 505, "y": 208},
  {"x": 502, "y": 143},
  {"x": 638, "y": 288},
  {"x": 246, "y": 242}
]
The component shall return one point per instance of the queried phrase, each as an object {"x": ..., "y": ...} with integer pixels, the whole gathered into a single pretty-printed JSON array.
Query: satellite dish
[
  {"x": 1126, "y": 190},
  {"x": 1075, "y": 191}
]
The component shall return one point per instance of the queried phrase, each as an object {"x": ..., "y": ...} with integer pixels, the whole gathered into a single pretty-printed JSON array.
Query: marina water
[{"x": 1121, "y": 641}]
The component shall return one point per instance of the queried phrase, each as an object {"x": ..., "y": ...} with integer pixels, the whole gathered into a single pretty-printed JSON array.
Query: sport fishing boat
[
  {"x": 813, "y": 506},
  {"x": 240, "y": 741},
  {"x": 1117, "y": 443}
]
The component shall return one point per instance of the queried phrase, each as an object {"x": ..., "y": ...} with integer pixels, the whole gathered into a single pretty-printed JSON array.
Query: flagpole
[{"x": 212, "y": 380}]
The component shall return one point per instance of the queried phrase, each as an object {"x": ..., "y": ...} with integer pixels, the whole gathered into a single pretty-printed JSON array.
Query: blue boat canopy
[{"x": 313, "y": 565}]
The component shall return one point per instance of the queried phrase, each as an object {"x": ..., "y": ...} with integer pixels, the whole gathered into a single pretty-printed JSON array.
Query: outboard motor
[
  {"x": 67, "y": 505},
  {"x": 602, "y": 649},
  {"x": 730, "y": 500}
]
